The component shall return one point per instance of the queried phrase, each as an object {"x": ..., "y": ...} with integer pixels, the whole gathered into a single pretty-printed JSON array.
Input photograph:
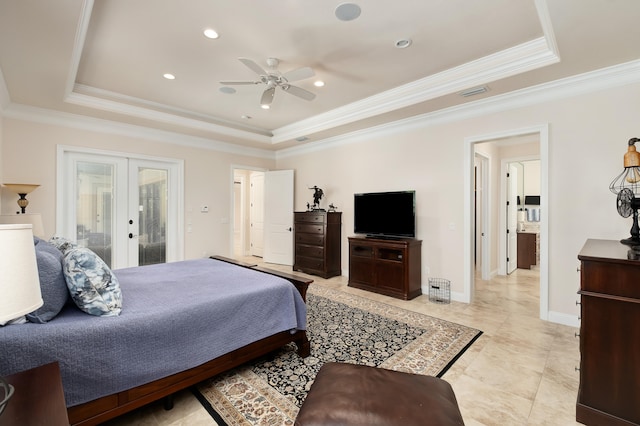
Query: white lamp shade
[
  {"x": 34, "y": 219},
  {"x": 19, "y": 281}
]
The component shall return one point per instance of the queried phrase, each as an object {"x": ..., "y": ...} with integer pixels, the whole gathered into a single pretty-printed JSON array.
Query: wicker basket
[{"x": 439, "y": 290}]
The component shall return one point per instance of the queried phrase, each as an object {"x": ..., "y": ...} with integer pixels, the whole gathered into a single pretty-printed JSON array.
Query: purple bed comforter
[{"x": 175, "y": 316}]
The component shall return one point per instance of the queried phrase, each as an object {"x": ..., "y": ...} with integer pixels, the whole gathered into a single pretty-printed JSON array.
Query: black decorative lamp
[{"x": 627, "y": 186}]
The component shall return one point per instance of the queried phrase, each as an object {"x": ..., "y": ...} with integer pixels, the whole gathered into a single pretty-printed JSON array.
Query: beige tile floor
[{"x": 521, "y": 371}]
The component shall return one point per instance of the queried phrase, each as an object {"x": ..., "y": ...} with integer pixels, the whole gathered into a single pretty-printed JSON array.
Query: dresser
[
  {"x": 609, "y": 292},
  {"x": 317, "y": 243},
  {"x": 386, "y": 266}
]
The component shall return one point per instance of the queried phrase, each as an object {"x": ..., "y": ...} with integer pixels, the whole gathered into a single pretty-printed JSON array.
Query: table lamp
[
  {"x": 22, "y": 189},
  {"x": 19, "y": 283},
  {"x": 34, "y": 219}
]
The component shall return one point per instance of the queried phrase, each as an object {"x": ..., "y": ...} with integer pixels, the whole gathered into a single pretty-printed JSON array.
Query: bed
[{"x": 180, "y": 323}]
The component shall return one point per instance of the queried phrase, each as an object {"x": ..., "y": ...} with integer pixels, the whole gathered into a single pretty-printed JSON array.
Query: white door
[
  {"x": 256, "y": 212},
  {"x": 512, "y": 219},
  {"x": 278, "y": 217},
  {"x": 121, "y": 208}
]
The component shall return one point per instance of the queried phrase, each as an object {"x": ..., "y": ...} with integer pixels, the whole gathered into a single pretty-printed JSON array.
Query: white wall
[
  {"x": 29, "y": 155},
  {"x": 588, "y": 136}
]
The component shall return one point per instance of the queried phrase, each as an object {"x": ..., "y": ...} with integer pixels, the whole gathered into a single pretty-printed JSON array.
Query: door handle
[{"x": 290, "y": 229}]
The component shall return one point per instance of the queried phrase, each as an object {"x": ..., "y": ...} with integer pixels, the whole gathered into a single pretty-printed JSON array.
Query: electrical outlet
[{"x": 205, "y": 209}]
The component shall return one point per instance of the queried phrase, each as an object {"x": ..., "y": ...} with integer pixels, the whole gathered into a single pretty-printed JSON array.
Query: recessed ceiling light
[
  {"x": 265, "y": 106},
  {"x": 169, "y": 76},
  {"x": 347, "y": 11},
  {"x": 319, "y": 83},
  {"x": 228, "y": 90},
  {"x": 402, "y": 43},
  {"x": 209, "y": 33},
  {"x": 246, "y": 117}
]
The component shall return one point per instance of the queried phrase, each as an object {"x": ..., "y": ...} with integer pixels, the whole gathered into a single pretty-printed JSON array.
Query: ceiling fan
[{"x": 274, "y": 78}]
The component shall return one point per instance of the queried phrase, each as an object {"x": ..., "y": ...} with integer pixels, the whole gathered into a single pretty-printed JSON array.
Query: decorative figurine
[
  {"x": 332, "y": 208},
  {"x": 317, "y": 195}
]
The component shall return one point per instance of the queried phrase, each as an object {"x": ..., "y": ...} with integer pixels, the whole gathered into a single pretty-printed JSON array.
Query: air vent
[{"x": 474, "y": 91}]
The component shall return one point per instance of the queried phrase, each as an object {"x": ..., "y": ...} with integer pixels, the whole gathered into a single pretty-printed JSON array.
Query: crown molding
[
  {"x": 516, "y": 60},
  {"x": 594, "y": 81},
  {"x": 64, "y": 119},
  {"x": 147, "y": 113}
]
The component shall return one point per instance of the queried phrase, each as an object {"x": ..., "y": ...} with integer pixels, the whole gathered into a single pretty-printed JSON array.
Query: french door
[{"x": 124, "y": 209}]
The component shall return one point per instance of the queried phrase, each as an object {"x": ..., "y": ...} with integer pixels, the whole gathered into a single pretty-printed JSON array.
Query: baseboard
[{"x": 564, "y": 319}]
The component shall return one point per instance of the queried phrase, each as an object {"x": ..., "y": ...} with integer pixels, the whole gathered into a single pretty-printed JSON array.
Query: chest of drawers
[
  {"x": 317, "y": 243},
  {"x": 609, "y": 335}
]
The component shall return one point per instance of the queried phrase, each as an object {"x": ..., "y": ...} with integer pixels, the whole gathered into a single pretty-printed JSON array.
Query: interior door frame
[
  {"x": 232, "y": 207},
  {"x": 485, "y": 231},
  {"x": 175, "y": 239},
  {"x": 469, "y": 229}
]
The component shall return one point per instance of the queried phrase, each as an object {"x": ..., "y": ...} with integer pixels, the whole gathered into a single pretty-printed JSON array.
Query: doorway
[
  {"x": 125, "y": 209},
  {"x": 498, "y": 215},
  {"x": 263, "y": 214}
]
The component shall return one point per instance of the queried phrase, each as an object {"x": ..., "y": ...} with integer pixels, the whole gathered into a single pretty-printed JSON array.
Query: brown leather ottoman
[{"x": 348, "y": 394}]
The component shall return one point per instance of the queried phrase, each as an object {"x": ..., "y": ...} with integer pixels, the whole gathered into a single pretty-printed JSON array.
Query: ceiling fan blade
[
  {"x": 253, "y": 66},
  {"x": 267, "y": 96},
  {"x": 299, "y": 92},
  {"x": 231, "y": 83},
  {"x": 299, "y": 74}
]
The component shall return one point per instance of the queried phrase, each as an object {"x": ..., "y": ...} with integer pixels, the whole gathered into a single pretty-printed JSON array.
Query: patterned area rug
[{"x": 343, "y": 328}]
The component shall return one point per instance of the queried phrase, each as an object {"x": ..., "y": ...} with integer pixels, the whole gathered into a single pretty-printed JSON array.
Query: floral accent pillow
[
  {"x": 62, "y": 244},
  {"x": 92, "y": 285}
]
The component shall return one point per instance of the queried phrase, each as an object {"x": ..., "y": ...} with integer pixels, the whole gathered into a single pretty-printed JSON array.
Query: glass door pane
[
  {"x": 152, "y": 215},
  {"x": 94, "y": 207}
]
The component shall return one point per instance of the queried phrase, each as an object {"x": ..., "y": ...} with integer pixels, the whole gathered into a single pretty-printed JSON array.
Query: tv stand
[{"x": 387, "y": 266}]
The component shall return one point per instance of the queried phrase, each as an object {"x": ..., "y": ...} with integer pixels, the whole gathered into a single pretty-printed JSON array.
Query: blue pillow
[
  {"x": 52, "y": 283},
  {"x": 92, "y": 285}
]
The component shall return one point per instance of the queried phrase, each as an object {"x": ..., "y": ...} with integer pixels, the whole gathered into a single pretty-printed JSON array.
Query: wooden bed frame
[{"x": 110, "y": 406}]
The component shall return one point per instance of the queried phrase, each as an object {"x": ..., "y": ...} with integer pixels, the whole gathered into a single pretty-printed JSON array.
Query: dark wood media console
[{"x": 387, "y": 266}]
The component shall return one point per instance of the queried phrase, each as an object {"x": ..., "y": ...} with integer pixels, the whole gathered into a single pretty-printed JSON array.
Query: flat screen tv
[{"x": 385, "y": 214}]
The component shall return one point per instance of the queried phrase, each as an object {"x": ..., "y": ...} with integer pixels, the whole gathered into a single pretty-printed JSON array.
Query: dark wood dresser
[
  {"x": 386, "y": 266},
  {"x": 609, "y": 392},
  {"x": 317, "y": 243}
]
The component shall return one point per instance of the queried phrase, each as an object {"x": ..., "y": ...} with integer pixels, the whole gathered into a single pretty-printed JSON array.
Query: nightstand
[{"x": 38, "y": 398}]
